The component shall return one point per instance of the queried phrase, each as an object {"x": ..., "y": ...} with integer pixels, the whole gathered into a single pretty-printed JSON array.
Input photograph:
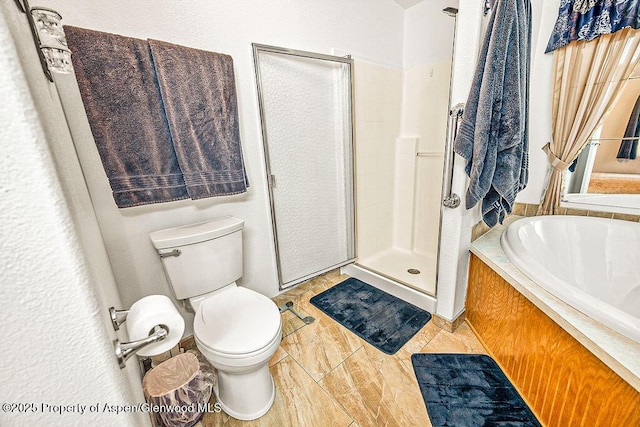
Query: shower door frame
[{"x": 257, "y": 48}]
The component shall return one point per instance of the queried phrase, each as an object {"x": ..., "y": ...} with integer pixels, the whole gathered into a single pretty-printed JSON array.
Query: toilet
[{"x": 235, "y": 328}]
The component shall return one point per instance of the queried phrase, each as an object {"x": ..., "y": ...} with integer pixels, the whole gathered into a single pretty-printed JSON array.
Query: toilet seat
[
  {"x": 237, "y": 323},
  {"x": 243, "y": 356}
]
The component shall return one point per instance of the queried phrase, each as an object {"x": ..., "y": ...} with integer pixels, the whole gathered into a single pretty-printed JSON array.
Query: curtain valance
[{"x": 589, "y": 19}]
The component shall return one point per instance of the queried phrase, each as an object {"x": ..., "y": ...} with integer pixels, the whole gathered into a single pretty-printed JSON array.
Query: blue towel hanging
[{"x": 493, "y": 135}]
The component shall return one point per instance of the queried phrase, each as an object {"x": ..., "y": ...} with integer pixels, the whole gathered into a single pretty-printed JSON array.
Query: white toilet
[{"x": 235, "y": 328}]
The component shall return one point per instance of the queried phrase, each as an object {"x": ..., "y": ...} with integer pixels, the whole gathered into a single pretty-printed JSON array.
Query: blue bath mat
[
  {"x": 384, "y": 321},
  {"x": 469, "y": 390}
]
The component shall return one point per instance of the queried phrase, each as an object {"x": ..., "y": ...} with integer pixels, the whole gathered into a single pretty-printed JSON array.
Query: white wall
[
  {"x": 427, "y": 33},
  {"x": 57, "y": 346},
  {"x": 544, "y": 17},
  {"x": 371, "y": 29}
]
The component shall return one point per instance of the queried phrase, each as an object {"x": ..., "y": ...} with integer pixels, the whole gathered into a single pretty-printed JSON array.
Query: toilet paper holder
[
  {"x": 125, "y": 350},
  {"x": 118, "y": 317}
]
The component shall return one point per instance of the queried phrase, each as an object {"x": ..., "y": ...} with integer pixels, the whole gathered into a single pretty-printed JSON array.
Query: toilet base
[{"x": 246, "y": 397}]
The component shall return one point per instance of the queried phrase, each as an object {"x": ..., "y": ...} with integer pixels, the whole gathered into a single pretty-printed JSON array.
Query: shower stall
[
  {"x": 367, "y": 198},
  {"x": 400, "y": 161}
]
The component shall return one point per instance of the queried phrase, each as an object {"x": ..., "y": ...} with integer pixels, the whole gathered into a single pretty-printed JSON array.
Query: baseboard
[{"x": 448, "y": 325}]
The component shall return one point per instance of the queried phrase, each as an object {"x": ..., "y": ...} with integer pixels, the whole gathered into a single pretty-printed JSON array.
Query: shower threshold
[{"x": 401, "y": 266}]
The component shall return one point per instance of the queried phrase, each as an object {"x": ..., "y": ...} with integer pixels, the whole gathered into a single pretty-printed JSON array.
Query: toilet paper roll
[{"x": 148, "y": 312}]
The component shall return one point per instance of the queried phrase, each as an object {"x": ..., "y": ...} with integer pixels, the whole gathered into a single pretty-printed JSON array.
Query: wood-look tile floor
[{"x": 327, "y": 376}]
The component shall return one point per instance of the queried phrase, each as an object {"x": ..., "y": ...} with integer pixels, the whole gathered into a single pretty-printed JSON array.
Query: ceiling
[{"x": 406, "y": 4}]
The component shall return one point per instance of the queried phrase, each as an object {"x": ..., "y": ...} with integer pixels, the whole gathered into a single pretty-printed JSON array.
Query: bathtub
[
  {"x": 592, "y": 264},
  {"x": 619, "y": 200}
]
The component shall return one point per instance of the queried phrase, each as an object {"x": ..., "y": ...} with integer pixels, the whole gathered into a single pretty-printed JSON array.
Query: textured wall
[{"x": 57, "y": 349}]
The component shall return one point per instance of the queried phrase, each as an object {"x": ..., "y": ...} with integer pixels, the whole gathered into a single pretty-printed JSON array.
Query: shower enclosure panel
[{"x": 305, "y": 107}]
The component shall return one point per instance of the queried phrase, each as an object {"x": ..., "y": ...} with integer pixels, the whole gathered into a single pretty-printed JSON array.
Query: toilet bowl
[
  {"x": 235, "y": 328},
  {"x": 238, "y": 331}
]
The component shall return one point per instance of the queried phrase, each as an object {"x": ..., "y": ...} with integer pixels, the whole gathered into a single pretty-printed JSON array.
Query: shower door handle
[{"x": 451, "y": 200}]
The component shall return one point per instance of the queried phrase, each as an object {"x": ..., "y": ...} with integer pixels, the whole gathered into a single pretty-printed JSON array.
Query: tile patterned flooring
[{"x": 327, "y": 376}]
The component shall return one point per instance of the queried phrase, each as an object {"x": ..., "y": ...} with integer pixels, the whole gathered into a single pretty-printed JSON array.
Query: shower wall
[
  {"x": 378, "y": 102},
  {"x": 426, "y": 103}
]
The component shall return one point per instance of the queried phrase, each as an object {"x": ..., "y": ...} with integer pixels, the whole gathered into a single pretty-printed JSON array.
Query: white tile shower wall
[
  {"x": 230, "y": 27},
  {"x": 377, "y": 112}
]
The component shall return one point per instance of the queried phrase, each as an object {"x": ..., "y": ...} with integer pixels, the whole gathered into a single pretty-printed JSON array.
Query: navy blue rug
[
  {"x": 469, "y": 390},
  {"x": 384, "y": 321}
]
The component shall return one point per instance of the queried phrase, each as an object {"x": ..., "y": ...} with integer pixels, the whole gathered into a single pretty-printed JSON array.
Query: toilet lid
[{"x": 237, "y": 321}]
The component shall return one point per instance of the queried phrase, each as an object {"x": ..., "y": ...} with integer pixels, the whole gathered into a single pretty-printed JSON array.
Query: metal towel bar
[{"x": 451, "y": 200}]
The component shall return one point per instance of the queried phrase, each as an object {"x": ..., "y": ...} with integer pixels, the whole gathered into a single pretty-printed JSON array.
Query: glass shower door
[{"x": 305, "y": 107}]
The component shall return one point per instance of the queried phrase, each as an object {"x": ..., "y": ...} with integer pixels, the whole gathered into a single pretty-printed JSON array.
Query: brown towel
[
  {"x": 199, "y": 97},
  {"x": 124, "y": 107}
]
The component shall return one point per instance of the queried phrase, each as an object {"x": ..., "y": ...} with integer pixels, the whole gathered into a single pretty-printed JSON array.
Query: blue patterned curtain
[{"x": 589, "y": 19}]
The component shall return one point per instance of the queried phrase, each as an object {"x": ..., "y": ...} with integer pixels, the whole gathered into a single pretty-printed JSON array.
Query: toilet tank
[{"x": 202, "y": 257}]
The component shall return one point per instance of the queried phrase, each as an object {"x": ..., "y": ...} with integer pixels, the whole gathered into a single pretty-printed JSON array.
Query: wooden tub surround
[{"x": 558, "y": 366}]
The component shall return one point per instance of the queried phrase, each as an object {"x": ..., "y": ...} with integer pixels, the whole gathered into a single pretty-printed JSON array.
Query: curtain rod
[{"x": 629, "y": 138}]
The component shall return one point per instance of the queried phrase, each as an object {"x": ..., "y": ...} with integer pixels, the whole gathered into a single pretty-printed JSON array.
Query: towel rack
[{"x": 451, "y": 200}]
